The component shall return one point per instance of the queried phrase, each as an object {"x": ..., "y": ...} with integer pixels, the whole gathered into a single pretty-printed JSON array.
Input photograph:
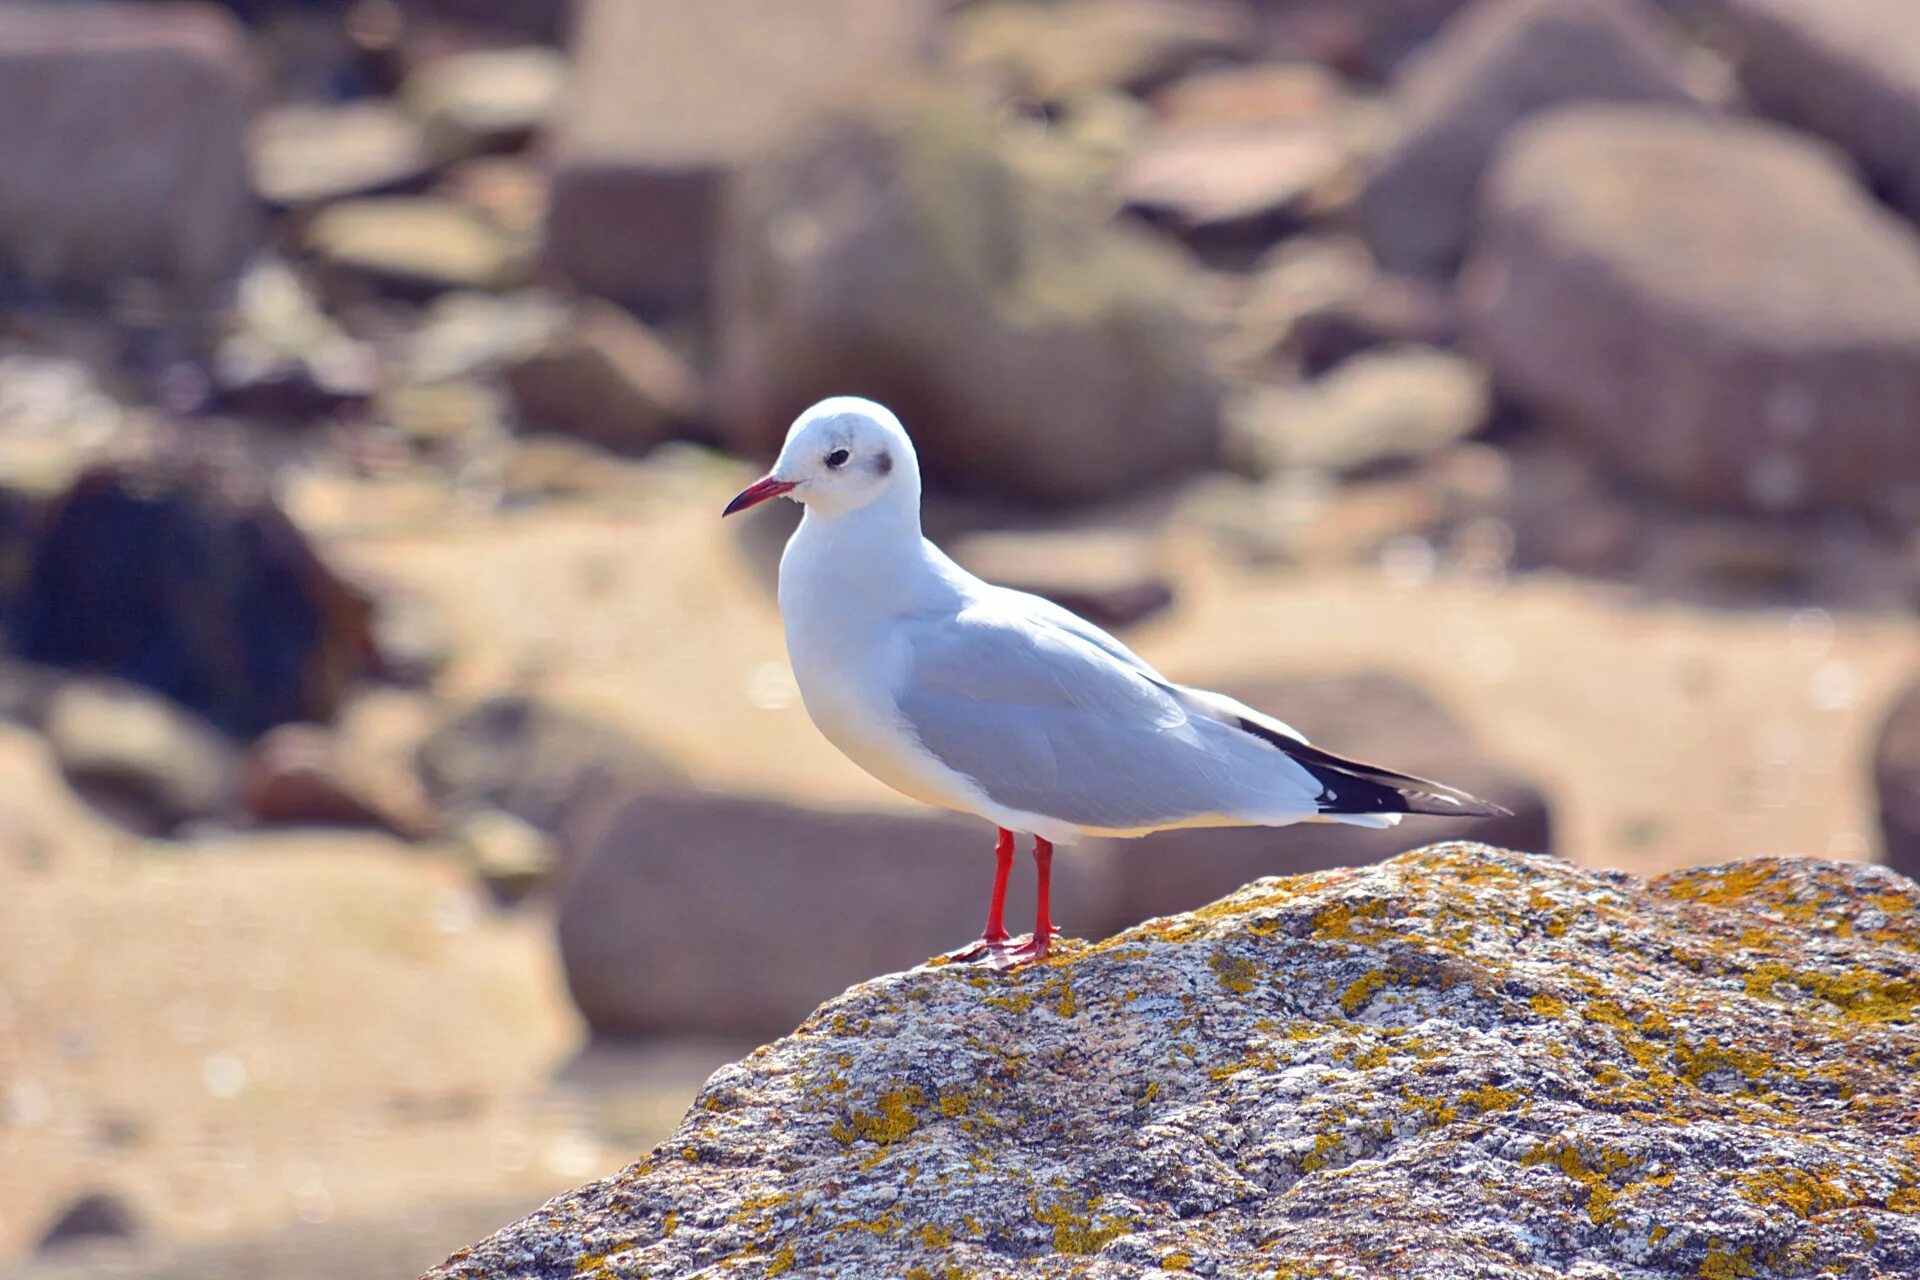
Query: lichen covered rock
[{"x": 1461, "y": 1063}]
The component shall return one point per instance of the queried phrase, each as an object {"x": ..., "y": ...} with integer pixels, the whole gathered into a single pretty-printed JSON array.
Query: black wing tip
[{"x": 1350, "y": 787}]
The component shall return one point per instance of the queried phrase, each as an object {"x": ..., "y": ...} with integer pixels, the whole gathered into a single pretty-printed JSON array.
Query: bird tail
[{"x": 1376, "y": 796}]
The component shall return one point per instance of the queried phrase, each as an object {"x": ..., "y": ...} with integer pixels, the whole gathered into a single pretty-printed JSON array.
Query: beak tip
[{"x": 756, "y": 493}]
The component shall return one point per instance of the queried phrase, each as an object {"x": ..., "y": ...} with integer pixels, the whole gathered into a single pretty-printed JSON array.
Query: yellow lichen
[
  {"x": 1076, "y": 1229},
  {"x": 892, "y": 1120},
  {"x": 1235, "y": 973},
  {"x": 1361, "y": 990},
  {"x": 1720, "y": 1264},
  {"x": 1547, "y": 1006},
  {"x": 1801, "y": 1192},
  {"x": 781, "y": 1262}
]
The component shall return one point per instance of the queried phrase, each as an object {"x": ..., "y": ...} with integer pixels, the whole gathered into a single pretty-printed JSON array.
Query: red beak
[{"x": 758, "y": 492}]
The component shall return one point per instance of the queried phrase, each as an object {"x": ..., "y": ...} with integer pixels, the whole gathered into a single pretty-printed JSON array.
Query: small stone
[
  {"x": 95, "y": 1216},
  {"x": 308, "y": 155},
  {"x": 465, "y": 334},
  {"x": 488, "y": 98},
  {"x": 295, "y": 776},
  {"x": 1392, "y": 405},
  {"x": 144, "y": 760},
  {"x": 417, "y": 241},
  {"x": 1052, "y": 52},
  {"x": 512, "y": 857},
  {"x": 606, "y": 378}
]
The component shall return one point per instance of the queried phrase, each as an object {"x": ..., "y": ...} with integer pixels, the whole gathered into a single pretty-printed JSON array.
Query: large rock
[
  {"x": 1896, "y": 778},
  {"x": 1500, "y": 62},
  {"x": 606, "y": 378},
  {"x": 668, "y": 98},
  {"x": 902, "y": 252},
  {"x": 1846, "y": 69},
  {"x": 718, "y": 913},
  {"x": 194, "y": 583},
  {"x": 1713, "y": 305},
  {"x": 123, "y": 142},
  {"x": 1377, "y": 718},
  {"x": 1053, "y": 51},
  {"x": 1463, "y": 1063}
]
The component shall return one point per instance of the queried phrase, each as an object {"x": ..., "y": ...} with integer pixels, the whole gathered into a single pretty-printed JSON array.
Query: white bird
[{"x": 993, "y": 702}]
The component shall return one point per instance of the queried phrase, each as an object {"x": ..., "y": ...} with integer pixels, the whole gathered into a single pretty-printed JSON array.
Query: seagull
[{"x": 984, "y": 700}]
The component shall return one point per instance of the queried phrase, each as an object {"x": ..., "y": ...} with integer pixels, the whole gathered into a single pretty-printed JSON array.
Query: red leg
[
  {"x": 1037, "y": 946},
  {"x": 994, "y": 936}
]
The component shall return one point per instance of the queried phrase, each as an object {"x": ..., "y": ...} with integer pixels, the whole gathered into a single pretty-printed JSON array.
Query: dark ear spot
[{"x": 883, "y": 463}]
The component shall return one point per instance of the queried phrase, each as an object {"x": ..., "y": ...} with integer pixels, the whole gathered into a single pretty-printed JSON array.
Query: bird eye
[{"x": 838, "y": 458}]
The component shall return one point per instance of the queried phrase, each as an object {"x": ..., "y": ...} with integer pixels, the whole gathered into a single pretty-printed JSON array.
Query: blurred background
[{"x": 404, "y": 799}]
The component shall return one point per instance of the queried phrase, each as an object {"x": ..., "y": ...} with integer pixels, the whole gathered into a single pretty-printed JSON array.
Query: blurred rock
[
  {"x": 305, "y": 154},
  {"x": 486, "y": 99},
  {"x": 1391, "y": 405},
  {"x": 1848, "y": 70},
  {"x": 668, "y": 98},
  {"x": 720, "y": 913},
  {"x": 1031, "y": 347},
  {"x": 511, "y": 856},
  {"x": 193, "y": 582},
  {"x": 467, "y": 333},
  {"x": 540, "y": 18},
  {"x": 417, "y": 241},
  {"x": 551, "y": 769},
  {"x": 509, "y": 191},
  {"x": 296, "y": 776},
  {"x": 283, "y": 358},
  {"x": 1712, "y": 306},
  {"x": 1385, "y": 311},
  {"x": 95, "y": 1216},
  {"x": 1052, "y": 51},
  {"x": 1370, "y": 39},
  {"x": 137, "y": 756},
  {"x": 1113, "y": 578},
  {"x": 1381, "y": 719},
  {"x": 1234, "y": 148},
  {"x": 606, "y": 378},
  {"x": 122, "y": 138},
  {"x": 1500, "y": 63},
  {"x": 1896, "y": 780},
  {"x": 447, "y": 420},
  {"x": 548, "y": 468}
]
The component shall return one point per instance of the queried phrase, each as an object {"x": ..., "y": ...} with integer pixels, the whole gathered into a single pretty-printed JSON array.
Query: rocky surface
[
  {"x": 123, "y": 138},
  {"x": 1846, "y": 69},
  {"x": 1462, "y": 1062},
  {"x": 1713, "y": 305},
  {"x": 1896, "y": 781},
  {"x": 852, "y": 262},
  {"x": 669, "y": 99},
  {"x": 1497, "y": 64}
]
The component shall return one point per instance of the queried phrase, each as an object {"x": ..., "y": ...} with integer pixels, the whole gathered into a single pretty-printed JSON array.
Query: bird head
[{"x": 840, "y": 455}]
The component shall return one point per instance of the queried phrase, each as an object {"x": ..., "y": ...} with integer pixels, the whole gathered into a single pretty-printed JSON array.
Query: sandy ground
[{"x": 305, "y": 1029}]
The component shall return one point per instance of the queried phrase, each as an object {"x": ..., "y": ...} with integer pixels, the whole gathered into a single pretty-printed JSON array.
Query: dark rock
[
  {"x": 194, "y": 583},
  {"x": 669, "y": 98},
  {"x": 1031, "y": 347},
  {"x": 1848, "y": 70},
  {"x": 98, "y": 1215},
  {"x": 1377, "y": 718},
  {"x": 606, "y": 378},
  {"x": 1502, "y": 61},
  {"x": 138, "y": 757},
  {"x": 717, "y": 913},
  {"x": 122, "y": 138},
  {"x": 513, "y": 858},
  {"x": 547, "y": 767},
  {"x": 1464, "y": 1063},
  {"x": 1711, "y": 305}
]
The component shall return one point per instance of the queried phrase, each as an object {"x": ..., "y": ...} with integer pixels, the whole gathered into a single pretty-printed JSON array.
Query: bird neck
[{"x": 874, "y": 553}]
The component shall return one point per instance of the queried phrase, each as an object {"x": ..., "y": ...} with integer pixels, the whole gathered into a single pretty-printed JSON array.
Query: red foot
[
  {"x": 986, "y": 948},
  {"x": 1024, "y": 949}
]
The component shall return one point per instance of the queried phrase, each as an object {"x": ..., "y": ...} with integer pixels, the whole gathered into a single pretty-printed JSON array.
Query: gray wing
[{"x": 1046, "y": 720}]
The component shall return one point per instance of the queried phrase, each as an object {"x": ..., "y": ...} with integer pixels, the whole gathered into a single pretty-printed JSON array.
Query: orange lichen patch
[
  {"x": 1594, "y": 1173},
  {"x": 1350, "y": 921},
  {"x": 781, "y": 1262},
  {"x": 1802, "y": 1192},
  {"x": 1489, "y": 1098},
  {"x": 1076, "y": 1228},
  {"x": 1548, "y": 1006},
  {"x": 1722, "y": 1264},
  {"x": 1905, "y": 1200},
  {"x": 890, "y": 1121}
]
